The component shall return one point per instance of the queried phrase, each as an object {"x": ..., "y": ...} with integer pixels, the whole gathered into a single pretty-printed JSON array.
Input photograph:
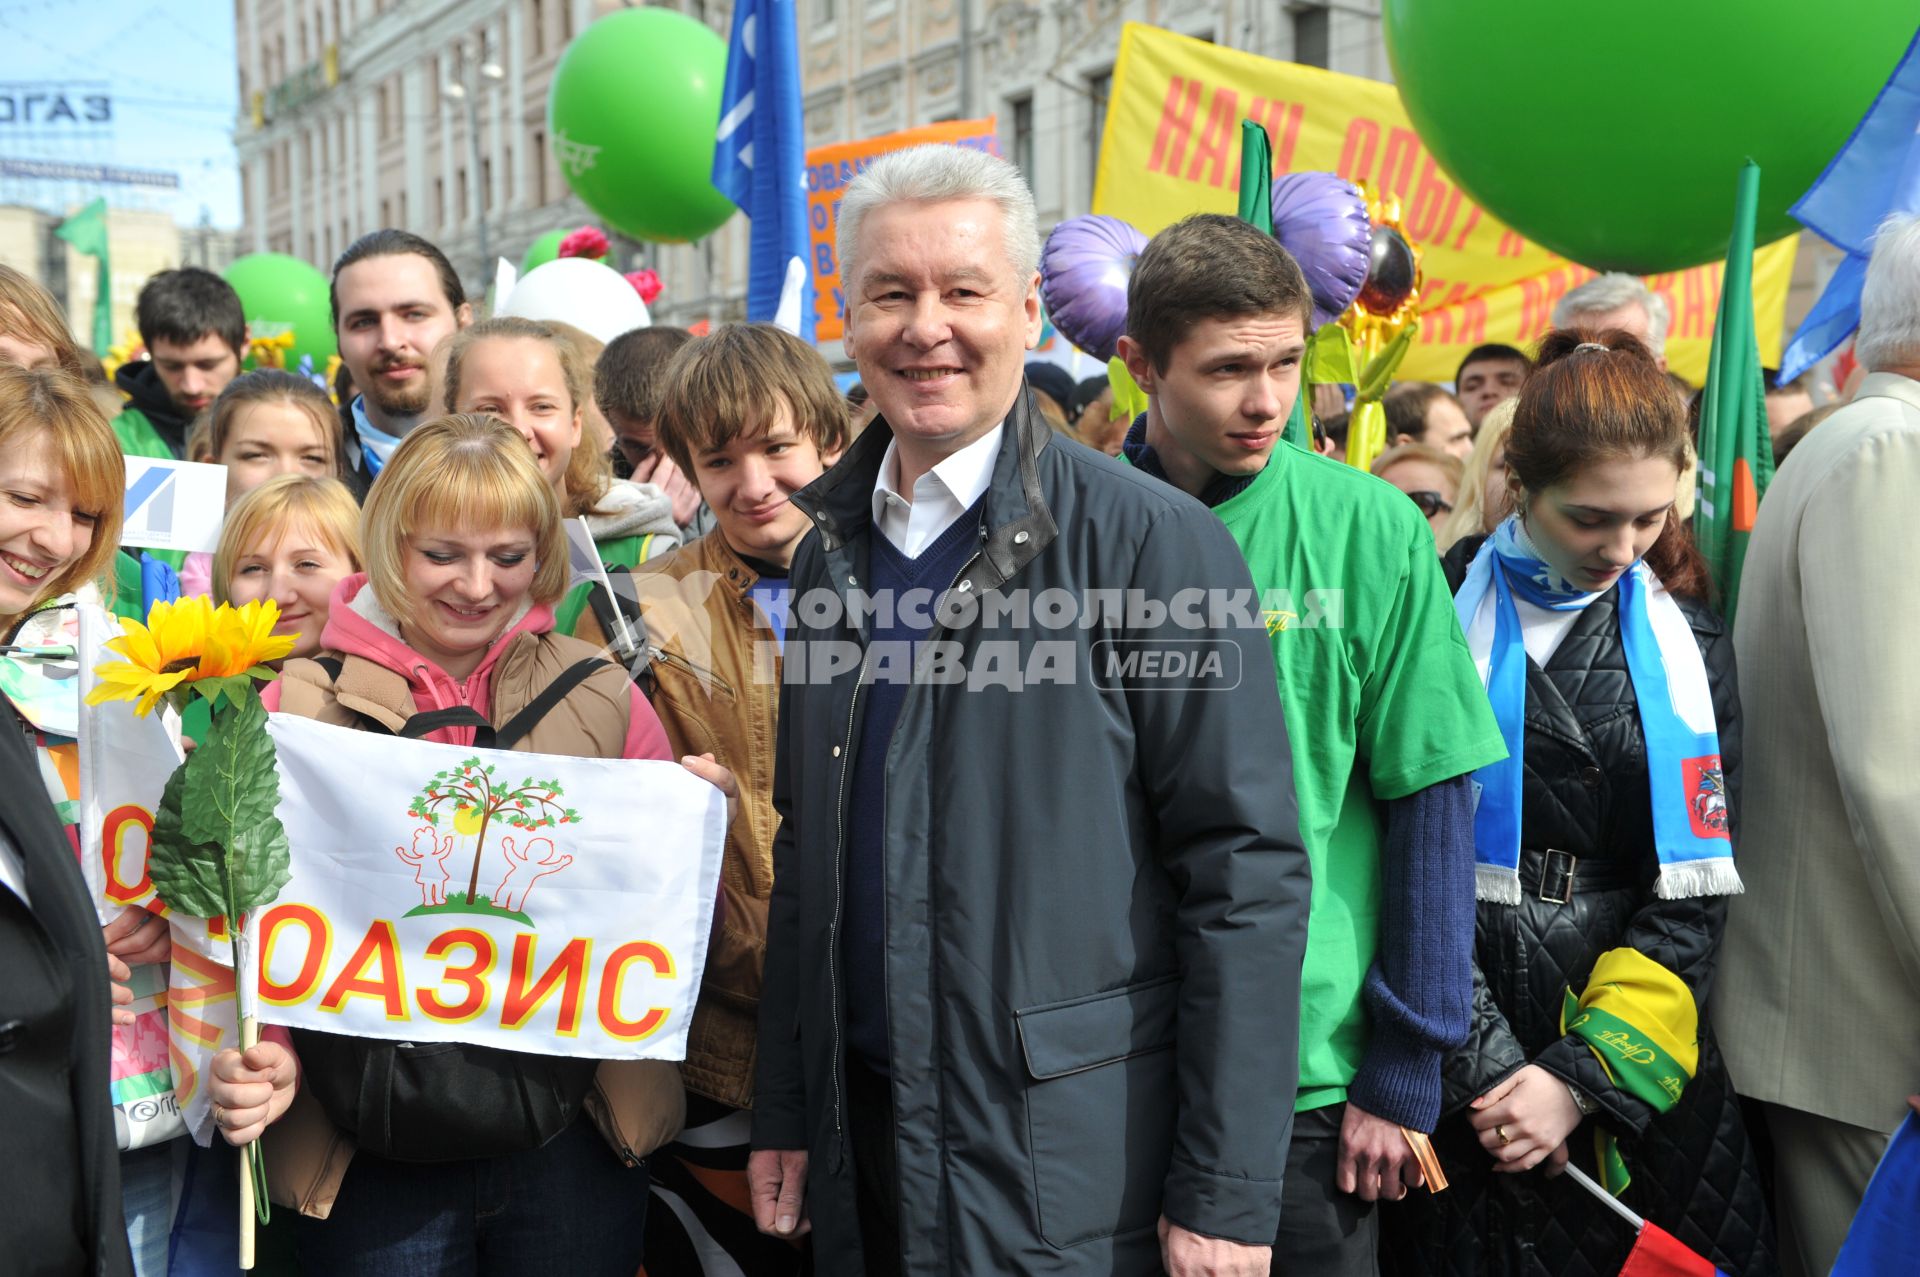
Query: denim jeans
[{"x": 570, "y": 1208}]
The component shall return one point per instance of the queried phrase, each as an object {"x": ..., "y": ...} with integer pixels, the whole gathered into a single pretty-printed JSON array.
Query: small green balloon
[
  {"x": 632, "y": 112},
  {"x": 1613, "y": 134},
  {"x": 541, "y": 251},
  {"x": 282, "y": 294}
]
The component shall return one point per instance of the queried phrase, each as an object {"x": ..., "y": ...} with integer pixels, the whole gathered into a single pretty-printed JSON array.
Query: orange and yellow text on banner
[
  {"x": 1172, "y": 148},
  {"x": 830, "y": 168}
]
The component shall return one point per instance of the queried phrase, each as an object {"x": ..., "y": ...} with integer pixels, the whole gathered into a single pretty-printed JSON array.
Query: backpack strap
[
  {"x": 485, "y": 734},
  {"x": 510, "y": 733}
]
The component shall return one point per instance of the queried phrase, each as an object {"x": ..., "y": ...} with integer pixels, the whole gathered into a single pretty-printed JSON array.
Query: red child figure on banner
[
  {"x": 514, "y": 889},
  {"x": 429, "y": 863}
]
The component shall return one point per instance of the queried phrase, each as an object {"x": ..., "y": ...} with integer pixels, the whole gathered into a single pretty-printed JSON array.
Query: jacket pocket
[{"x": 1100, "y": 1109}]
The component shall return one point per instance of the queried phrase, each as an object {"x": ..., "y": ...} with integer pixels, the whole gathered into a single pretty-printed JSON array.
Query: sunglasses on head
[{"x": 1431, "y": 502}]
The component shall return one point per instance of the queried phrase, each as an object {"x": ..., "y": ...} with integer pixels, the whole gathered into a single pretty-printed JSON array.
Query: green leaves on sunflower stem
[{"x": 218, "y": 848}]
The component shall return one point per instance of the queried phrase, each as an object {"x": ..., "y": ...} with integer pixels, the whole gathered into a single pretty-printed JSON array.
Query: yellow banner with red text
[{"x": 1172, "y": 148}]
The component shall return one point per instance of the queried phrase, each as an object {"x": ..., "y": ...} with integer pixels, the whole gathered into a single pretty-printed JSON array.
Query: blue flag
[
  {"x": 759, "y": 157},
  {"x": 1875, "y": 174},
  {"x": 1883, "y": 1238}
]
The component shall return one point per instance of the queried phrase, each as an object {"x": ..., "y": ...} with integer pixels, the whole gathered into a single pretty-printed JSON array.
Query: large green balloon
[
  {"x": 632, "y": 112},
  {"x": 1613, "y": 133},
  {"x": 282, "y": 293},
  {"x": 541, "y": 251}
]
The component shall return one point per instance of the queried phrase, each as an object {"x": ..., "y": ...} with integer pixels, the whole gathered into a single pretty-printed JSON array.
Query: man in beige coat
[{"x": 1818, "y": 1003}]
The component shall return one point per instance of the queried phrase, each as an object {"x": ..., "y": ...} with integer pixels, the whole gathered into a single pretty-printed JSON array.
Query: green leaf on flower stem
[
  {"x": 186, "y": 874},
  {"x": 227, "y": 800}
]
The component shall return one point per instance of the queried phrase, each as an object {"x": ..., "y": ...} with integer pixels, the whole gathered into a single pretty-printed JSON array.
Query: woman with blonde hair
[
  {"x": 61, "y": 484},
  {"x": 1482, "y": 500},
  {"x": 293, "y": 539},
  {"x": 265, "y": 423},
  {"x": 485, "y": 1161},
  {"x": 530, "y": 375}
]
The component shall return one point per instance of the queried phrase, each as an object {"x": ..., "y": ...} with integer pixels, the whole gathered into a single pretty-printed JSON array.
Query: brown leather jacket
[
  {"x": 717, "y": 691},
  {"x": 638, "y": 1105}
]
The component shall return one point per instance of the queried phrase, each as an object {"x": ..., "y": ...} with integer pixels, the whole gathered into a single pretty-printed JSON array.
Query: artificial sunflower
[{"x": 187, "y": 642}]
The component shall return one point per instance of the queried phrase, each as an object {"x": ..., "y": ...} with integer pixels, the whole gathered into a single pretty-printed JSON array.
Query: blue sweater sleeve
[{"x": 1419, "y": 991}]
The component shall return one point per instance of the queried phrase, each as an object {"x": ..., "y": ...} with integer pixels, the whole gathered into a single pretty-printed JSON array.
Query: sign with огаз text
[
  {"x": 1172, "y": 148},
  {"x": 174, "y": 505},
  {"x": 447, "y": 894},
  {"x": 830, "y": 168}
]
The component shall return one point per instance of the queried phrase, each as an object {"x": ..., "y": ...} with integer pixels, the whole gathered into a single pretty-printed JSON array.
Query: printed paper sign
[
  {"x": 447, "y": 894},
  {"x": 174, "y": 505}
]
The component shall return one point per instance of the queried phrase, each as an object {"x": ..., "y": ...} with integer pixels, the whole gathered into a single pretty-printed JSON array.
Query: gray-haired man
[{"x": 1039, "y": 905}]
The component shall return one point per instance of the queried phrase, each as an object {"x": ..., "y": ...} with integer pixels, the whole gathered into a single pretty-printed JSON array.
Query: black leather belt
[{"x": 1558, "y": 876}]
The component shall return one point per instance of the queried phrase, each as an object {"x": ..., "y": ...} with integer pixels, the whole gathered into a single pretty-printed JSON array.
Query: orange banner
[
  {"x": 830, "y": 168},
  {"x": 1172, "y": 148}
]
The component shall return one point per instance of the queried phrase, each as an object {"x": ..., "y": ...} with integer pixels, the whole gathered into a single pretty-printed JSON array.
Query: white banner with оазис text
[{"x": 525, "y": 901}]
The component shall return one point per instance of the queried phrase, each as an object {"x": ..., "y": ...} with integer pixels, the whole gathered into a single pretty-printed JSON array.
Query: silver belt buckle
[{"x": 1551, "y": 877}]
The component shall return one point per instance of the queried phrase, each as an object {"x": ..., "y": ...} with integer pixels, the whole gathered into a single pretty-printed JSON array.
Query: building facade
[{"x": 357, "y": 114}]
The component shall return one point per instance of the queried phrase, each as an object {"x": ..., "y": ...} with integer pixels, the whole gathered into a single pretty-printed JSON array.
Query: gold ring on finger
[{"x": 1505, "y": 1138}]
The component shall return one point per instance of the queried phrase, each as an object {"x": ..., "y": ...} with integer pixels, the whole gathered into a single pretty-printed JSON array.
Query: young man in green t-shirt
[{"x": 1387, "y": 717}]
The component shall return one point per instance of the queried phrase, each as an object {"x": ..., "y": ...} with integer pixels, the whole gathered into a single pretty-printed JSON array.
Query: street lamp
[{"x": 469, "y": 93}]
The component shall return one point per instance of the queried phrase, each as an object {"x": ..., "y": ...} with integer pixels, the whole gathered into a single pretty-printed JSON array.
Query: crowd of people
[{"x": 1212, "y": 858}]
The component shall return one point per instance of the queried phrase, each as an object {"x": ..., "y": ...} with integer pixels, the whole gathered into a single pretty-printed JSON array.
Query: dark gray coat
[{"x": 1096, "y": 898}]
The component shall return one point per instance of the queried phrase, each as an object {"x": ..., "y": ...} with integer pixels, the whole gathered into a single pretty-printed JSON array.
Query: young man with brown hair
[
  {"x": 195, "y": 331},
  {"x": 1386, "y": 714},
  {"x": 751, "y": 415}
]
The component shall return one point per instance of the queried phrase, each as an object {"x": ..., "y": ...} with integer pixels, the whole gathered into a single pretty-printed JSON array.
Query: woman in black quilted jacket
[{"x": 1605, "y": 856}]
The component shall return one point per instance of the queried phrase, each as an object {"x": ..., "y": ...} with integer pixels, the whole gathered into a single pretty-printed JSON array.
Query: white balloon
[{"x": 591, "y": 296}]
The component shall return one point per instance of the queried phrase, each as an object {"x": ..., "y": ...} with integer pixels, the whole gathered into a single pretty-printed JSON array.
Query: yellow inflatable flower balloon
[{"x": 184, "y": 643}]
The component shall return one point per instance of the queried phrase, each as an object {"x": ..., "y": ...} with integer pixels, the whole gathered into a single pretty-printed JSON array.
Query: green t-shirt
[{"x": 1381, "y": 700}]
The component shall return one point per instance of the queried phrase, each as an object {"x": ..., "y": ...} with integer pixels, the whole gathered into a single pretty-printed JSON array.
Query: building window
[
  {"x": 537, "y": 20},
  {"x": 386, "y": 212},
  {"x": 1099, "y": 89},
  {"x": 539, "y": 168},
  {"x": 484, "y": 196},
  {"x": 440, "y": 202},
  {"x": 824, "y": 11},
  {"x": 1310, "y": 37},
  {"x": 506, "y": 172},
  {"x": 464, "y": 208},
  {"x": 1021, "y": 111},
  {"x": 566, "y": 21}
]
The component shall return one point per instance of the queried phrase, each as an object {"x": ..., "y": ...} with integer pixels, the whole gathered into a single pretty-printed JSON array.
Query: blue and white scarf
[{"x": 1676, "y": 717}]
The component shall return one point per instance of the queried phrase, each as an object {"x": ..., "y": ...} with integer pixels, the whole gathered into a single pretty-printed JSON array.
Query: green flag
[
  {"x": 87, "y": 232},
  {"x": 1256, "y": 176},
  {"x": 1736, "y": 451},
  {"x": 1256, "y": 207}
]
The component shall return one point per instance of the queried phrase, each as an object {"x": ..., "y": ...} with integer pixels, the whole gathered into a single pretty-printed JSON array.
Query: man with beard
[
  {"x": 195, "y": 331},
  {"x": 395, "y": 297}
]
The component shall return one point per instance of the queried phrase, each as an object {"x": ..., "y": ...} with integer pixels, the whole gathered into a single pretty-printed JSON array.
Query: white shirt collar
[{"x": 940, "y": 496}]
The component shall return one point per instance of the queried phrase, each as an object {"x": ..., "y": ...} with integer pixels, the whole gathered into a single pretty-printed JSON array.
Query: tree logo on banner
[{"x": 471, "y": 799}]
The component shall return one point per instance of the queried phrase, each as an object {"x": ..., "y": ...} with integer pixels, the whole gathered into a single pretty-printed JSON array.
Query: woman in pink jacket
[{"x": 459, "y": 1159}]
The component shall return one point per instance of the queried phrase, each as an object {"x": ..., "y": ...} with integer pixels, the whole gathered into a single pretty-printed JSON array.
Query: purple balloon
[
  {"x": 1083, "y": 280},
  {"x": 1322, "y": 220}
]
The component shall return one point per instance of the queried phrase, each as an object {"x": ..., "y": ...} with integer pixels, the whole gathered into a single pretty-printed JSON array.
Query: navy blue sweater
[{"x": 863, "y": 933}]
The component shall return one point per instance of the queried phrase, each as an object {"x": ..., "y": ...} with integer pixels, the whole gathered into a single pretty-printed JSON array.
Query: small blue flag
[
  {"x": 1875, "y": 174},
  {"x": 759, "y": 157}
]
